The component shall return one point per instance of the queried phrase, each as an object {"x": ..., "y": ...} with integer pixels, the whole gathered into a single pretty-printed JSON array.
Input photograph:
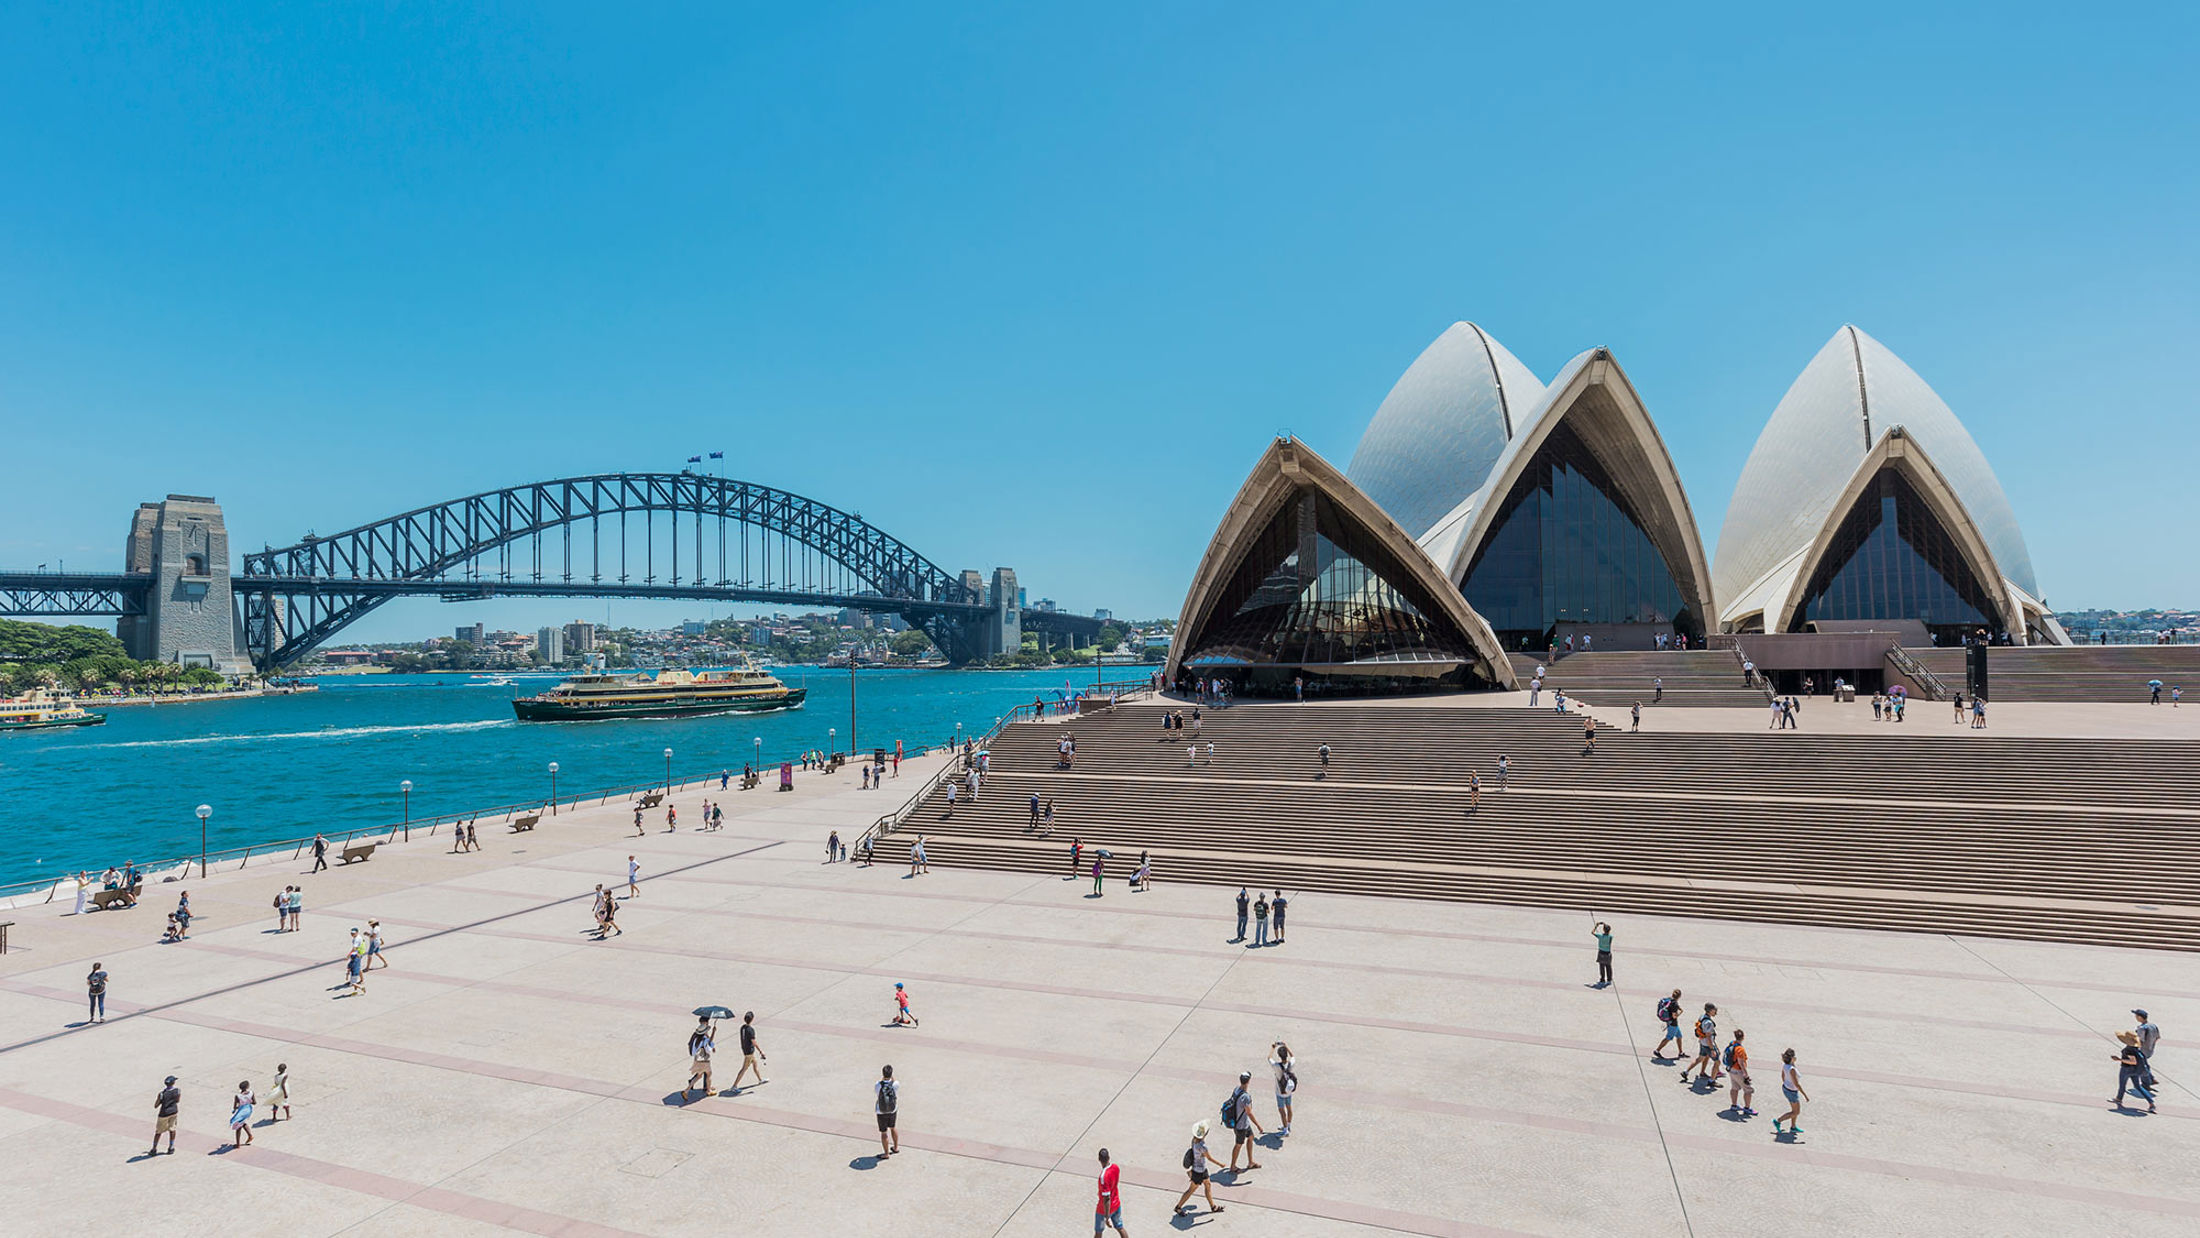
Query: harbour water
[{"x": 284, "y": 766}]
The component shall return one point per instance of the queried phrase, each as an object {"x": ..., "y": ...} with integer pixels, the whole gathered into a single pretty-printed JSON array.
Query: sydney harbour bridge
[{"x": 615, "y": 535}]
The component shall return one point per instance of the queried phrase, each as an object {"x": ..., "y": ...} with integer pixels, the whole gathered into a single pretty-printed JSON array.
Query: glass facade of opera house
[
  {"x": 1892, "y": 558},
  {"x": 1567, "y": 551}
]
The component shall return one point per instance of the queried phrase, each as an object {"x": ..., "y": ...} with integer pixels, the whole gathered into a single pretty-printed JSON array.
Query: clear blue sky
[{"x": 1034, "y": 284}]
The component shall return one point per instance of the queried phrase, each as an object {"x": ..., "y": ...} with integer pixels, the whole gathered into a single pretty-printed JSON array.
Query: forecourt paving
[{"x": 506, "y": 1074}]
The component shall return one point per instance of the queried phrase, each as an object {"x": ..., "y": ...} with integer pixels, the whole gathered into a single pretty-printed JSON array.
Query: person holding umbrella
[
  {"x": 1100, "y": 857},
  {"x": 702, "y": 1045},
  {"x": 2154, "y": 691}
]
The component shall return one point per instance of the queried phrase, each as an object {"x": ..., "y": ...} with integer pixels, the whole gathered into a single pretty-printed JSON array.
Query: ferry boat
[
  {"x": 42, "y": 709},
  {"x": 667, "y": 694}
]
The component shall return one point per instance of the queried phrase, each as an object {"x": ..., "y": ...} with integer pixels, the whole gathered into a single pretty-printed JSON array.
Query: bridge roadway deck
[{"x": 506, "y": 1074}]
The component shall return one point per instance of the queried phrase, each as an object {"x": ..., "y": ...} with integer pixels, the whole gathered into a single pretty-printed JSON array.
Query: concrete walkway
[{"x": 507, "y": 1074}]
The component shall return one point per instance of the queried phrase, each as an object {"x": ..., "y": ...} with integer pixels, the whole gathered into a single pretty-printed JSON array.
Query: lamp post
[
  {"x": 958, "y": 738},
  {"x": 851, "y": 702},
  {"x": 553, "y": 788},
  {"x": 832, "y": 741},
  {"x": 407, "y": 787},
  {"x": 668, "y": 771},
  {"x": 204, "y": 813},
  {"x": 760, "y": 756}
]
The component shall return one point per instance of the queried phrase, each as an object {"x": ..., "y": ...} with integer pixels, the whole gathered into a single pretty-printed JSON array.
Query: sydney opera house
[{"x": 1487, "y": 512}]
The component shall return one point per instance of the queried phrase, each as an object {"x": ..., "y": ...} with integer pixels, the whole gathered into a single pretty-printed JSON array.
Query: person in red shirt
[{"x": 1109, "y": 1211}]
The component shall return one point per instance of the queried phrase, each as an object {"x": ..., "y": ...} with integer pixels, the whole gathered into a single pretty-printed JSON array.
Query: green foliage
[
  {"x": 47, "y": 643},
  {"x": 911, "y": 644}
]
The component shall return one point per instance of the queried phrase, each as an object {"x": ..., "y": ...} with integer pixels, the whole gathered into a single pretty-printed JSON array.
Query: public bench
[
  {"x": 653, "y": 799},
  {"x": 358, "y": 851},
  {"x": 749, "y": 781},
  {"x": 521, "y": 825},
  {"x": 111, "y": 898}
]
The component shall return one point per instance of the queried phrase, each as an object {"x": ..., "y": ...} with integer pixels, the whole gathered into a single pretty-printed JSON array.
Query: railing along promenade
[{"x": 504, "y": 813}]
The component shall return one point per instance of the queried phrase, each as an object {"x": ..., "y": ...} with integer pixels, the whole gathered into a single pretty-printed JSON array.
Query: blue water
[{"x": 284, "y": 766}]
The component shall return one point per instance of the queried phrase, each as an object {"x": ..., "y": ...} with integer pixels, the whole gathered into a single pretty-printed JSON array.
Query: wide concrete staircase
[
  {"x": 1694, "y": 677},
  {"x": 2071, "y": 840},
  {"x": 2113, "y": 673}
]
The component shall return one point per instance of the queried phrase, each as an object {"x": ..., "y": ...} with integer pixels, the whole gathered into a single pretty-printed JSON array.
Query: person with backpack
[
  {"x": 886, "y": 1100},
  {"x": 1791, "y": 1087},
  {"x": 1739, "y": 1093},
  {"x": 1669, "y": 1013},
  {"x": 2132, "y": 1073},
  {"x": 1706, "y": 1062},
  {"x": 1196, "y": 1160},
  {"x": 1237, "y": 1114},
  {"x": 1603, "y": 934},
  {"x": 1287, "y": 1084},
  {"x": 1109, "y": 1210},
  {"x": 1260, "y": 921}
]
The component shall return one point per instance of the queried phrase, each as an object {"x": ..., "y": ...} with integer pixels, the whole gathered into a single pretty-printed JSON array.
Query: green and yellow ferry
[
  {"x": 667, "y": 694},
  {"x": 41, "y": 709}
]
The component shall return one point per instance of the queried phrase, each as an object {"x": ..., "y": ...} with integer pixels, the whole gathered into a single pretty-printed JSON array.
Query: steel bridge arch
[{"x": 329, "y": 581}]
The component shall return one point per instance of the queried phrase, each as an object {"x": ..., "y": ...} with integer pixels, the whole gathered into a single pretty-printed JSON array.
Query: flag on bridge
[
  {"x": 695, "y": 459},
  {"x": 718, "y": 455}
]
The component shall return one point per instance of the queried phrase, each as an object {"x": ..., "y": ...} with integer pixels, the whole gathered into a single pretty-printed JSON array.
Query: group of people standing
[{"x": 1259, "y": 909}]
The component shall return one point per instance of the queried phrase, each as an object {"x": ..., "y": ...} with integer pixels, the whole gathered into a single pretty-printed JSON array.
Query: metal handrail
[
  {"x": 1764, "y": 682},
  {"x": 1931, "y": 684}
]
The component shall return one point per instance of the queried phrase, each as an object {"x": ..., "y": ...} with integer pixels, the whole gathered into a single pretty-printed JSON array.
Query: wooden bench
[
  {"x": 653, "y": 799},
  {"x": 358, "y": 851},
  {"x": 521, "y": 825},
  {"x": 749, "y": 781},
  {"x": 112, "y": 898}
]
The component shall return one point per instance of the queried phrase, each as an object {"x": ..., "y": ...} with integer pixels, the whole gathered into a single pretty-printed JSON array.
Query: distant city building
[
  {"x": 694, "y": 627},
  {"x": 1023, "y": 599},
  {"x": 347, "y": 657},
  {"x": 474, "y": 633},
  {"x": 1044, "y": 606},
  {"x": 550, "y": 643},
  {"x": 1103, "y": 614},
  {"x": 580, "y": 637}
]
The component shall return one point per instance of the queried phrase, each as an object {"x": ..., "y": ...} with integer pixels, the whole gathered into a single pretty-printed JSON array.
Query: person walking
[
  {"x": 1706, "y": 1063},
  {"x": 920, "y": 862},
  {"x": 637, "y": 820},
  {"x": 1244, "y": 905},
  {"x": 832, "y": 846},
  {"x": 1791, "y": 1087},
  {"x": 165, "y": 1107},
  {"x": 358, "y": 963},
  {"x": 902, "y": 1014},
  {"x": 1260, "y": 921},
  {"x": 1238, "y": 1113},
  {"x": 1076, "y": 853},
  {"x": 752, "y": 1053},
  {"x": 1504, "y": 767},
  {"x": 374, "y": 946},
  {"x": 2148, "y": 1034},
  {"x": 1603, "y": 935},
  {"x": 951, "y": 786},
  {"x": 702, "y": 1046},
  {"x": 1669, "y": 1013},
  {"x": 1636, "y": 715},
  {"x": 1657, "y": 690},
  {"x": 633, "y": 877},
  {"x": 1588, "y": 734},
  {"x": 1278, "y": 905},
  {"x": 320, "y": 852},
  {"x": 95, "y": 990},
  {"x": 1196, "y": 1160},
  {"x": 886, "y": 1102},
  {"x": 1474, "y": 792},
  {"x": 278, "y": 1096},
  {"x": 183, "y": 914},
  {"x": 1109, "y": 1210},
  {"x": 2131, "y": 1072},
  {"x": 240, "y": 1114},
  {"x": 1287, "y": 1083},
  {"x": 1740, "y": 1093},
  {"x": 1323, "y": 753}
]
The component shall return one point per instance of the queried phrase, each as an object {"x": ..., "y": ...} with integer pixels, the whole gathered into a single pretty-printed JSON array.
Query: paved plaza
[{"x": 1460, "y": 1076}]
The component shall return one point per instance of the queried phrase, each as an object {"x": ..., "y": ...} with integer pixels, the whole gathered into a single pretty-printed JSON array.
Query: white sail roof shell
[
  {"x": 1850, "y": 394},
  {"x": 1436, "y": 436}
]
